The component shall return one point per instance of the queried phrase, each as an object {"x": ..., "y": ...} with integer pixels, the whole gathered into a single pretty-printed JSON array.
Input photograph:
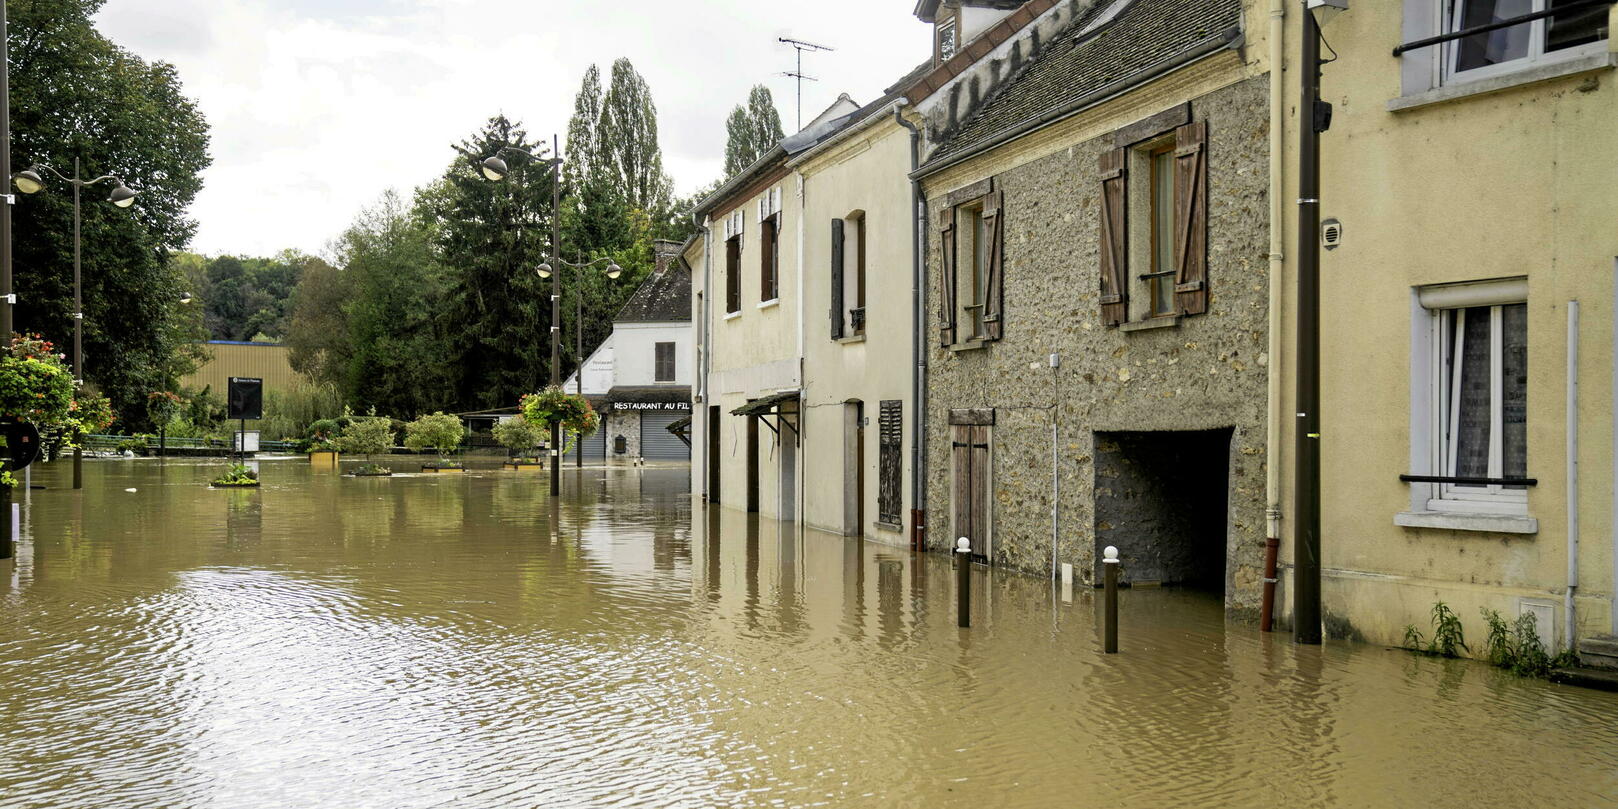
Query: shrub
[
  {"x": 237, "y": 475},
  {"x": 437, "y": 431},
  {"x": 1516, "y": 645},
  {"x": 518, "y": 435},
  {"x": 366, "y": 436},
  {"x": 289, "y": 413}
]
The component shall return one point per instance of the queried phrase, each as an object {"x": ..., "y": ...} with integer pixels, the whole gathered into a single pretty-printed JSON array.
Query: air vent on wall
[{"x": 1331, "y": 234}]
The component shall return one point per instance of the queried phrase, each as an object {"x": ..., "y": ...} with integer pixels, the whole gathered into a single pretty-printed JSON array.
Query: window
[
  {"x": 1482, "y": 404},
  {"x": 1160, "y": 277},
  {"x": 770, "y": 259},
  {"x": 664, "y": 370},
  {"x": 1154, "y": 227},
  {"x": 971, "y": 267},
  {"x": 890, "y": 461},
  {"x": 733, "y": 274},
  {"x": 848, "y": 276},
  {"x": 947, "y": 39},
  {"x": 1504, "y": 49}
]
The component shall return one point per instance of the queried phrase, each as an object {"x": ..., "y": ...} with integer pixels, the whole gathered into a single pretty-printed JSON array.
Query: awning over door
[
  {"x": 682, "y": 429},
  {"x": 779, "y": 405}
]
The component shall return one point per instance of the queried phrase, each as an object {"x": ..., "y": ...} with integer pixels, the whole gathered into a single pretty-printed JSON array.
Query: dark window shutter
[
  {"x": 1191, "y": 218},
  {"x": 994, "y": 297},
  {"x": 1114, "y": 239},
  {"x": 733, "y": 277},
  {"x": 890, "y": 430},
  {"x": 946, "y": 281},
  {"x": 836, "y": 279},
  {"x": 766, "y": 243}
]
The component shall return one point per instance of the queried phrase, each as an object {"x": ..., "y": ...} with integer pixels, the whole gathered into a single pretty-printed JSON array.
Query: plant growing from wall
[
  {"x": 570, "y": 411},
  {"x": 518, "y": 435},
  {"x": 438, "y": 432},
  {"x": 1448, "y": 636},
  {"x": 1516, "y": 647}
]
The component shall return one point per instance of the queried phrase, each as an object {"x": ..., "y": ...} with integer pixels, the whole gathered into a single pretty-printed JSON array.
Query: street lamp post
[
  {"x": 494, "y": 168},
  {"x": 613, "y": 271},
  {"x": 1315, "y": 116},
  {"x": 32, "y": 182}
]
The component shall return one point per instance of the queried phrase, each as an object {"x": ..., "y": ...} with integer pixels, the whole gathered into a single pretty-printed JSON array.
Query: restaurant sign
[{"x": 683, "y": 407}]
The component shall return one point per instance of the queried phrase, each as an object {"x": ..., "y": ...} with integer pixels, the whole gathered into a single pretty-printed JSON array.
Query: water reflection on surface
[{"x": 451, "y": 640}]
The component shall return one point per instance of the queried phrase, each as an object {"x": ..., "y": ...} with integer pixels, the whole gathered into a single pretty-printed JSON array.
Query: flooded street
[{"x": 448, "y": 640}]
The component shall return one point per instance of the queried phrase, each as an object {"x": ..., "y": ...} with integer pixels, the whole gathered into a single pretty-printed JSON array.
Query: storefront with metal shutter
[
  {"x": 594, "y": 448},
  {"x": 657, "y": 443}
]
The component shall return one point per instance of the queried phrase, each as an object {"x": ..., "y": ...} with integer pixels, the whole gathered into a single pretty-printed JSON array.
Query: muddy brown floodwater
[{"x": 449, "y": 641}]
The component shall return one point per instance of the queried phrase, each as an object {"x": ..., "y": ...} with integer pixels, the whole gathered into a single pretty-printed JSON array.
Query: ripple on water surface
[{"x": 453, "y": 641}]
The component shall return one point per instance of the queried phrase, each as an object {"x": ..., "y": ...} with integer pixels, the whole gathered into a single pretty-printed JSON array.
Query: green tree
[
  {"x": 751, "y": 131},
  {"x": 517, "y": 435},
  {"x": 490, "y": 237},
  {"x": 583, "y": 143},
  {"x": 436, "y": 431},
  {"x": 631, "y": 158},
  {"x": 317, "y": 339},
  {"x": 76, "y": 94},
  {"x": 368, "y": 436}
]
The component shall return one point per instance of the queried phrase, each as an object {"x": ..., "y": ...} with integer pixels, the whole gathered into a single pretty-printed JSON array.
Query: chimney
[{"x": 664, "y": 253}]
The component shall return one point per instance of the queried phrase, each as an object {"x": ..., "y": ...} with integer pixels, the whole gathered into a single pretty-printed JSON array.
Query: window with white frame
[
  {"x": 1576, "y": 32},
  {"x": 1479, "y": 397}
]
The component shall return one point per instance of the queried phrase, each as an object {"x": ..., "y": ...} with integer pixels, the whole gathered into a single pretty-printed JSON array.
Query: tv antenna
[{"x": 801, "y": 46}]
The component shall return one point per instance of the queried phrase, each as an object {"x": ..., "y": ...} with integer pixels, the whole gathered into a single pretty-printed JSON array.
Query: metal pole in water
[
  {"x": 1110, "y": 610},
  {"x": 963, "y": 581}
]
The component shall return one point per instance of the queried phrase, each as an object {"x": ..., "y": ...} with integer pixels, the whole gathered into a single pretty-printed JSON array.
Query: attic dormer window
[{"x": 947, "y": 39}]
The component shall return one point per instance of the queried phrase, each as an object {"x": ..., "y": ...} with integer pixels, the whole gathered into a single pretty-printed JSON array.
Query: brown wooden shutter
[
  {"x": 733, "y": 276},
  {"x": 1114, "y": 238},
  {"x": 946, "y": 281},
  {"x": 766, "y": 243},
  {"x": 970, "y": 498},
  {"x": 995, "y": 295},
  {"x": 1191, "y": 218},
  {"x": 836, "y": 279}
]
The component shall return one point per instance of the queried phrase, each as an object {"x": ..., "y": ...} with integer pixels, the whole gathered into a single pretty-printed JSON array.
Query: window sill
[
  {"x": 1451, "y": 521},
  {"x": 855, "y": 338},
  {"x": 769, "y": 303},
  {"x": 1528, "y": 75},
  {"x": 1163, "y": 322},
  {"x": 889, "y": 526},
  {"x": 969, "y": 345},
  {"x": 733, "y": 315}
]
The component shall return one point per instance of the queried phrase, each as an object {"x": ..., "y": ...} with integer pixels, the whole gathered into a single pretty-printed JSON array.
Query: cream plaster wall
[
  {"x": 1515, "y": 182},
  {"x": 865, "y": 172},
  {"x": 753, "y": 353}
]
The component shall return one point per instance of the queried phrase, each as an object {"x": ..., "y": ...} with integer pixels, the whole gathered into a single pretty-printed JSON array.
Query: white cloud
[{"x": 318, "y": 106}]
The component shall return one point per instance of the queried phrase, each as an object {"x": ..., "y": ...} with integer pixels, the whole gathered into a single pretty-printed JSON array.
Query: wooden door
[
  {"x": 713, "y": 453},
  {"x": 970, "y": 497},
  {"x": 752, "y": 464}
]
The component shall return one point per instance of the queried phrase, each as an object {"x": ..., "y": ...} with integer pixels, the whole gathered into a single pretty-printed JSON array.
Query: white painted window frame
[
  {"x": 1434, "y": 403},
  {"x": 1434, "y": 66}
]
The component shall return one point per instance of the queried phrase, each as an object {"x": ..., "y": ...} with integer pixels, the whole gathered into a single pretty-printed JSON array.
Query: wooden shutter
[
  {"x": 994, "y": 297},
  {"x": 1114, "y": 238},
  {"x": 890, "y": 432},
  {"x": 946, "y": 280},
  {"x": 837, "y": 279},
  {"x": 1191, "y": 218},
  {"x": 766, "y": 243},
  {"x": 733, "y": 277}
]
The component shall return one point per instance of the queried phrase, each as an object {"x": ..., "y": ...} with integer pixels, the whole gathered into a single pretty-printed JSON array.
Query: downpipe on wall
[
  {"x": 1272, "y": 420},
  {"x": 918, "y": 343},
  {"x": 1568, "y": 633}
]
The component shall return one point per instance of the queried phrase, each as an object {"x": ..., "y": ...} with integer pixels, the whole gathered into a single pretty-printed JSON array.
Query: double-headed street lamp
[
  {"x": 32, "y": 181},
  {"x": 495, "y": 168},
  {"x": 613, "y": 271}
]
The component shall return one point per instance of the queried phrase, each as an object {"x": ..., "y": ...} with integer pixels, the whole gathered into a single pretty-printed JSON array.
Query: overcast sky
[{"x": 318, "y": 106}]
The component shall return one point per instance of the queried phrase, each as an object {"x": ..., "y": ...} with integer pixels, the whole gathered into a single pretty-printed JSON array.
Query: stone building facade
[{"x": 1065, "y": 413}]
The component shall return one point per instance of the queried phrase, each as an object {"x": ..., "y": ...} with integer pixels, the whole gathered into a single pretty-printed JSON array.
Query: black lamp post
[
  {"x": 32, "y": 182},
  {"x": 494, "y": 168},
  {"x": 613, "y": 271},
  {"x": 1316, "y": 115}
]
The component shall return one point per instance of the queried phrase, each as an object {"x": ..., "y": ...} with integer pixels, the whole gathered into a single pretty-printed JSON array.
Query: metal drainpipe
[
  {"x": 1568, "y": 634},
  {"x": 918, "y": 304},
  {"x": 707, "y": 353},
  {"x": 1272, "y": 420}
]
